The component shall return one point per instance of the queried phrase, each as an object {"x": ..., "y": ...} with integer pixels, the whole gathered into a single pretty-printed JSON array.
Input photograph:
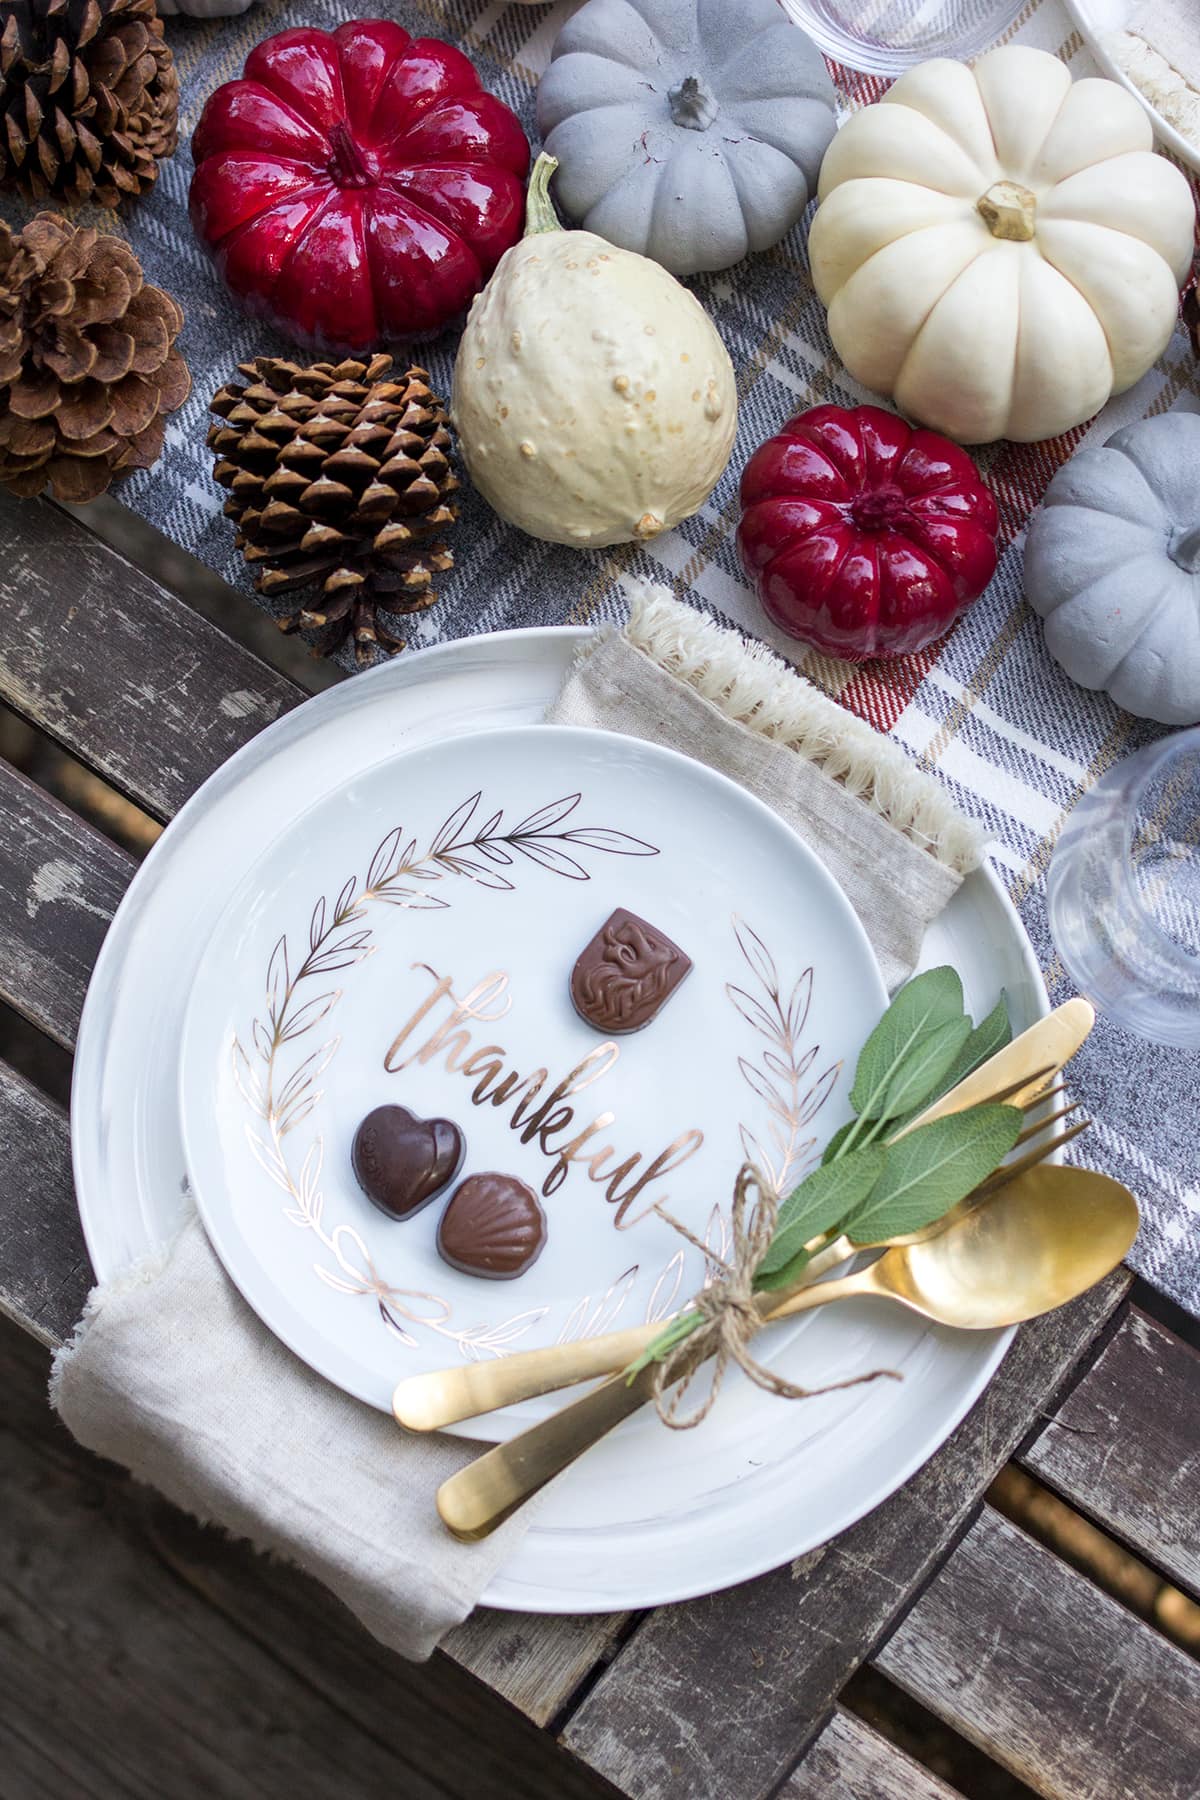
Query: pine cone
[
  {"x": 338, "y": 473},
  {"x": 1191, "y": 315},
  {"x": 89, "y": 97},
  {"x": 87, "y": 365}
]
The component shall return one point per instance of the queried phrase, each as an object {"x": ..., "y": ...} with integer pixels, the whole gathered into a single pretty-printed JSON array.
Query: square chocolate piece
[{"x": 626, "y": 974}]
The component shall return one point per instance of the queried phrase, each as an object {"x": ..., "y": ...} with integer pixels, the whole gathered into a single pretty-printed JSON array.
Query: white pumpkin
[
  {"x": 999, "y": 247},
  {"x": 593, "y": 399}
]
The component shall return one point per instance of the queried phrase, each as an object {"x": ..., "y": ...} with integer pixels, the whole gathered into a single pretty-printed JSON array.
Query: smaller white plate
[
  {"x": 471, "y": 874},
  {"x": 1096, "y": 19}
]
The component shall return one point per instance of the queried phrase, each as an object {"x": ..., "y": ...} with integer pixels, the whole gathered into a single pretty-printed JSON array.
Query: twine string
[{"x": 730, "y": 1317}]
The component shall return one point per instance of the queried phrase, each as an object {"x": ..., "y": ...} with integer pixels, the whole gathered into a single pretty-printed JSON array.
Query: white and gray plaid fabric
[{"x": 1014, "y": 740}]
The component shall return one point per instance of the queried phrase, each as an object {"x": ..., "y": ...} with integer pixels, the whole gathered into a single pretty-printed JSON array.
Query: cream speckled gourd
[
  {"x": 593, "y": 399},
  {"x": 999, "y": 247}
]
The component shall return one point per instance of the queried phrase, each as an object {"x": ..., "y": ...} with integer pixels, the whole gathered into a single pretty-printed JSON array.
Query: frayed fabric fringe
[{"x": 753, "y": 686}]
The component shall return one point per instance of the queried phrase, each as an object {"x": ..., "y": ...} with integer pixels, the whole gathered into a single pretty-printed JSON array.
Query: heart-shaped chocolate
[
  {"x": 403, "y": 1162},
  {"x": 494, "y": 1226}
]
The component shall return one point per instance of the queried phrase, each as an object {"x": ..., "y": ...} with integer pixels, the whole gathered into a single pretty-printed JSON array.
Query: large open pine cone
[
  {"x": 88, "y": 98},
  {"x": 338, "y": 473},
  {"x": 88, "y": 368}
]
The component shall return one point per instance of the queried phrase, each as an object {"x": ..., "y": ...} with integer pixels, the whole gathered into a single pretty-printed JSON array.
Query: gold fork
[{"x": 443, "y": 1397}]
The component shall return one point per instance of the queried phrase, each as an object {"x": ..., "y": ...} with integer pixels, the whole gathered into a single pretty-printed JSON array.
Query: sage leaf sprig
[{"x": 871, "y": 1184}]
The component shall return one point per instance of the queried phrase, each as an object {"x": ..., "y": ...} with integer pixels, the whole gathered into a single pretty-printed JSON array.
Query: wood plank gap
[
  {"x": 660, "y": 1728},
  {"x": 108, "y": 662},
  {"x": 60, "y": 883},
  {"x": 44, "y": 1270},
  {"x": 850, "y": 1761},
  {"x": 196, "y": 585},
  {"x": 1124, "y": 1445},
  {"x": 1050, "y": 1676}
]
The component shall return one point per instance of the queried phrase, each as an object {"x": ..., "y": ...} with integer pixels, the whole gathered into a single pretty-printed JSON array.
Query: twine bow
[{"x": 730, "y": 1315}]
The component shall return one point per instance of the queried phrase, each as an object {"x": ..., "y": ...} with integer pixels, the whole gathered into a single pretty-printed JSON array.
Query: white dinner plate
[
  {"x": 409, "y": 940},
  {"x": 647, "y": 1517},
  {"x": 1097, "y": 20}
]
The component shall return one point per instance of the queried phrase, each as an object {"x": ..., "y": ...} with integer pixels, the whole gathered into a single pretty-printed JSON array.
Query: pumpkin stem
[
  {"x": 1184, "y": 549},
  {"x": 1009, "y": 211},
  {"x": 693, "y": 104},
  {"x": 539, "y": 207},
  {"x": 348, "y": 166}
]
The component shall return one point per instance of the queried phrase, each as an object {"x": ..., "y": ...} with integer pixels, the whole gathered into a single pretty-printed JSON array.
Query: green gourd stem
[
  {"x": 539, "y": 207},
  {"x": 693, "y": 103},
  {"x": 1185, "y": 549}
]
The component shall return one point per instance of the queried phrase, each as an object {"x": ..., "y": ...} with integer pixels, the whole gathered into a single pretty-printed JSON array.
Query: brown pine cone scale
[
  {"x": 88, "y": 367},
  {"x": 339, "y": 476},
  {"x": 89, "y": 98}
]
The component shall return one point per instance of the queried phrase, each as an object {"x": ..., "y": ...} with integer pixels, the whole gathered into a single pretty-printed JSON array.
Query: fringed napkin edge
[{"x": 755, "y": 688}]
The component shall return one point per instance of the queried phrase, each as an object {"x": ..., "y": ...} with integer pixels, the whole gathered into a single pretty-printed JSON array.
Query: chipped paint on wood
[
  {"x": 133, "y": 682},
  {"x": 1124, "y": 1445},
  {"x": 1051, "y": 1677},
  {"x": 59, "y": 882}
]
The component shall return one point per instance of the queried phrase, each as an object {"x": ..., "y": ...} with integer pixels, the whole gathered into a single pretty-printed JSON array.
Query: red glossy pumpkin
[
  {"x": 357, "y": 187},
  {"x": 864, "y": 536}
]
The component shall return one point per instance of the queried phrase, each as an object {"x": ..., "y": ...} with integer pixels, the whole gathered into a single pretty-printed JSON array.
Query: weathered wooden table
[{"x": 730, "y": 1697}]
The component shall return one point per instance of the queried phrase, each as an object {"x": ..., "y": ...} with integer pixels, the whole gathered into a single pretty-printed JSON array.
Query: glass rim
[{"x": 1186, "y": 742}]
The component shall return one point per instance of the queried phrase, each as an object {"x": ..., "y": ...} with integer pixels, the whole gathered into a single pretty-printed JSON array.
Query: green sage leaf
[
  {"x": 989, "y": 1036},
  {"x": 836, "y": 1141},
  {"x": 823, "y": 1199},
  {"x": 924, "y": 1069},
  {"x": 932, "y": 1169},
  {"x": 922, "y": 1005}
]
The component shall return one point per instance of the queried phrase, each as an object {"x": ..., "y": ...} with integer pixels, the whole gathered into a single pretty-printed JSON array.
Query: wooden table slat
[
  {"x": 536, "y": 1662},
  {"x": 44, "y": 1268},
  {"x": 145, "y": 1657},
  {"x": 115, "y": 667},
  {"x": 1048, "y": 1675},
  {"x": 723, "y": 1695},
  {"x": 1124, "y": 1446},
  {"x": 60, "y": 883},
  {"x": 850, "y": 1761}
]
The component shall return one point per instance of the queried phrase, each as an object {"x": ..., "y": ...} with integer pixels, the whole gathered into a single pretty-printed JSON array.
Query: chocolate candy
[
  {"x": 627, "y": 974},
  {"x": 494, "y": 1226},
  {"x": 403, "y": 1162}
]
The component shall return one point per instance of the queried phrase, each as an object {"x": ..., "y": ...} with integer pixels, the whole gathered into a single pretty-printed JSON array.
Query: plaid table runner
[{"x": 1015, "y": 741}]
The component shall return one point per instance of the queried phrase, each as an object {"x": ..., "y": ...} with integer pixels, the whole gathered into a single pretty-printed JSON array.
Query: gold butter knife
[
  {"x": 430, "y": 1402},
  {"x": 1037, "y": 1243}
]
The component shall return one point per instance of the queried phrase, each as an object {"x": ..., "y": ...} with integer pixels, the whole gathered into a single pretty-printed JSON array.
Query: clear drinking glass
[
  {"x": 1123, "y": 892},
  {"x": 884, "y": 37}
]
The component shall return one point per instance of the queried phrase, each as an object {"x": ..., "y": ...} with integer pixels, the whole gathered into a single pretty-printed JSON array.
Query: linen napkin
[
  {"x": 172, "y": 1375},
  {"x": 887, "y": 833}
]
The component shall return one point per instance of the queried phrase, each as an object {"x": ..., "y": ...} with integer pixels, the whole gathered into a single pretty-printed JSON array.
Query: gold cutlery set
[{"x": 1027, "y": 1240}]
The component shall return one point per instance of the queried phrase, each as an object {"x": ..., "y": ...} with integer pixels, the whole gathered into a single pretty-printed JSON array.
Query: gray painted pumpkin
[
  {"x": 687, "y": 130},
  {"x": 1112, "y": 564}
]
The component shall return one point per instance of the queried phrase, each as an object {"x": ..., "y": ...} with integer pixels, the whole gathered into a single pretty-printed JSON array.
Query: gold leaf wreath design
[
  {"x": 338, "y": 940},
  {"x": 396, "y": 876},
  {"x": 778, "y": 1076}
]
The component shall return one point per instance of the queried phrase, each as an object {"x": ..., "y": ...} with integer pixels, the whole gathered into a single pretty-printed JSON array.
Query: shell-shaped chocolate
[
  {"x": 403, "y": 1162},
  {"x": 494, "y": 1226}
]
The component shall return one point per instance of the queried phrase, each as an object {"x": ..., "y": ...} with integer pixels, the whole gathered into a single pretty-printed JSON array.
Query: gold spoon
[
  {"x": 1039, "y": 1241},
  {"x": 443, "y": 1397}
]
